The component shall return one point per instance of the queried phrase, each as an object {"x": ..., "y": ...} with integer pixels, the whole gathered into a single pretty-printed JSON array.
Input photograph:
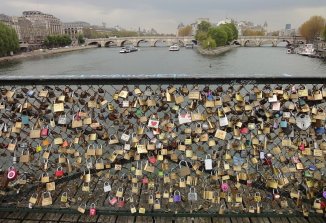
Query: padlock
[
  {"x": 208, "y": 162},
  {"x": 92, "y": 210},
  {"x": 257, "y": 197},
  {"x": 324, "y": 192},
  {"x": 276, "y": 194},
  {"x": 113, "y": 200},
  {"x": 64, "y": 197},
  {"x": 12, "y": 173},
  {"x": 176, "y": 196},
  {"x": 107, "y": 187},
  {"x": 192, "y": 195},
  {"x": 224, "y": 186},
  {"x": 59, "y": 172},
  {"x": 121, "y": 202}
]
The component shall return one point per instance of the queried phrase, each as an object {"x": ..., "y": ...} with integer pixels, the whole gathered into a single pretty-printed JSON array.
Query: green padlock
[
  {"x": 160, "y": 173},
  {"x": 38, "y": 148}
]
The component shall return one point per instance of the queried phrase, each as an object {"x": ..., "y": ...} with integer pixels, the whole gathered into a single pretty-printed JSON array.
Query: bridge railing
[{"x": 163, "y": 146}]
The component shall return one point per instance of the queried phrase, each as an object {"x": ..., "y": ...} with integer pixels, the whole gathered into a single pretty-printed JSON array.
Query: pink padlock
[
  {"x": 12, "y": 173},
  {"x": 113, "y": 200},
  {"x": 92, "y": 210},
  {"x": 152, "y": 159},
  {"x": 224, "y": 186},
  {"x": 145, "y": 180}
]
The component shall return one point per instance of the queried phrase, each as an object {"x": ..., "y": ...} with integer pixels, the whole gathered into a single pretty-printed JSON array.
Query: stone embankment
[
  {"x": 216, "y": 51},
  {"x": 44, "y": 52}
]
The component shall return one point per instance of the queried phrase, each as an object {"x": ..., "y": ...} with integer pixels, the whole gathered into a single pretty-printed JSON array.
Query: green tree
[
  {"x": 219, "y": 35},
  {"x": 8, "y": 40},
  {"x": 81, "y": 39},
  {"x": 228, "y": 31},
  {"x": 57, "y": 41},
  {"x": 312, "y": 28},
  {"x": 203, "y": 26},
  {"x": 200, "y": 36},
  {"x": 208, "y": 43}
]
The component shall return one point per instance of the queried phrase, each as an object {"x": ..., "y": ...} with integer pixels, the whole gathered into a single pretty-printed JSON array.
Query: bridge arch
[
  {"x": 110, "y": 43},
  {"x": 94, "y": 43},
  {"x": 267, "y": 41},
  {"x": 250, "y": 42},
  {"x": 163, "y": 42},
  {"x": 142, "y": 41},
  {"x": 125, "y": 42}
]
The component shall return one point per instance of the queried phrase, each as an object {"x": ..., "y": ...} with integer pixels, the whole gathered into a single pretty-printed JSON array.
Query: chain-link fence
[{"x": 187, "y": 147}]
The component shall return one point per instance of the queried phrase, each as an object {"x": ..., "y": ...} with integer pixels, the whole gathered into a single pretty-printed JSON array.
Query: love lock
[
  {"x": 303, "y": 121},
  {"x": 59, "y": 172},
  {"x": 176, "y": 196},
  {"x": 224, "y": 186},
  {"x": 12, "y": 173},
  {"x": 92, "y": 210}
]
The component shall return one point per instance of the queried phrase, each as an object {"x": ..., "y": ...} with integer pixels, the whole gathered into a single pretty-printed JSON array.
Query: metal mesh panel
[{"x": 264, "y": 140}]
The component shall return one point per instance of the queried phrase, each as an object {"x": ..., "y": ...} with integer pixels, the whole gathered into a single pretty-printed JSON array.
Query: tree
[
  {"x": 185, "y": 31},
  {"x": 312, "y": 28},
  {"x": 57, "y": 41},
  {"x": 251, "y": 32},
  {"x": 219, "y": 35},
  {"x": 203, "y": 26},
  {"x": 81, "y": 39},
  {"x": 200, "y": 36},
  {"x": 8, "y": 40},
  {"x": 228, "y": 31},
  {"x": 208, "y": 43}
]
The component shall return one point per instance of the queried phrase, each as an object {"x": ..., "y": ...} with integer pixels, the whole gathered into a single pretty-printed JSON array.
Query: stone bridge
[
  {"x": 151, "y": 40},
  {"x": 182, "y": 41},
  {"x": 261, "y": 40}
]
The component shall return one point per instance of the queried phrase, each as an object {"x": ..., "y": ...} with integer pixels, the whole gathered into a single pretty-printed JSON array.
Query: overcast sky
[{"x": 165, "y": 15}]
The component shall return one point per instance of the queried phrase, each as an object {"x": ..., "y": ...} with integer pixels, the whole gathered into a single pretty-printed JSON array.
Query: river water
[{"x": 248, "y": 61}]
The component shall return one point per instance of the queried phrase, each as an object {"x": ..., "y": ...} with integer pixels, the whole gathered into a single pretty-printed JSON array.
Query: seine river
[{"x": 248, "y": 61}]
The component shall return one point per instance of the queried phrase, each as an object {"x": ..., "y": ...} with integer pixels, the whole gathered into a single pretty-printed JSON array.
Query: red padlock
[
  {"x": 121, "y": 202},
  {"x": 59, "y": 172},
  {"x": 92, "y": 210},
  {"x": 12, "y": 173}
]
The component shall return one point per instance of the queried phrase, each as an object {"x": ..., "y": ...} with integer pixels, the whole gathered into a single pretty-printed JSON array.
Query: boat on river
[
  {"x": 174, "y": 47},
  {"x": 307, "y": 50},
  {"x": 128, "y": 49}
]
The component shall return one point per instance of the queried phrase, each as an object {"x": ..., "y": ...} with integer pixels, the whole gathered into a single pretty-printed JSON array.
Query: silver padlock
[{"x": 192, "y": 195}]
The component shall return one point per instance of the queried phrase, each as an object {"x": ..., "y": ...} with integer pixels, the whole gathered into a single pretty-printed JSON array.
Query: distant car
[{"x": 66, "y": 46}]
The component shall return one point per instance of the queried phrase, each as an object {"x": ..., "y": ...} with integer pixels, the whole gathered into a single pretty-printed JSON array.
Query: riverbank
[
  {"x": 45, "y": 52},
  {"x": 216, "y": 51}
]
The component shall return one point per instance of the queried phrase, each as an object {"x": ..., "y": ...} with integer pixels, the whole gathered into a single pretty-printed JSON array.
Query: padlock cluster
[{"x": 182, "y": 144}]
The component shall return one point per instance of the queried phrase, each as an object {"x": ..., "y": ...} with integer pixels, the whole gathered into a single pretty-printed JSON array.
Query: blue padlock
[
  {"x": 25, "y": 119},
  {"x": 177, "y": 196}
]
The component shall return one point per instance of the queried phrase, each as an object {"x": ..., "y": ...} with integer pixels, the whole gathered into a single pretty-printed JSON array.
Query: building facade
[
  {"x": 43, "y": 25},
  {"x": 74, "y": 29}
]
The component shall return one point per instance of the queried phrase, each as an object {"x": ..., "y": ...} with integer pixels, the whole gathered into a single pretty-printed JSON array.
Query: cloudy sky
[{"x": 165, "y": 15}]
